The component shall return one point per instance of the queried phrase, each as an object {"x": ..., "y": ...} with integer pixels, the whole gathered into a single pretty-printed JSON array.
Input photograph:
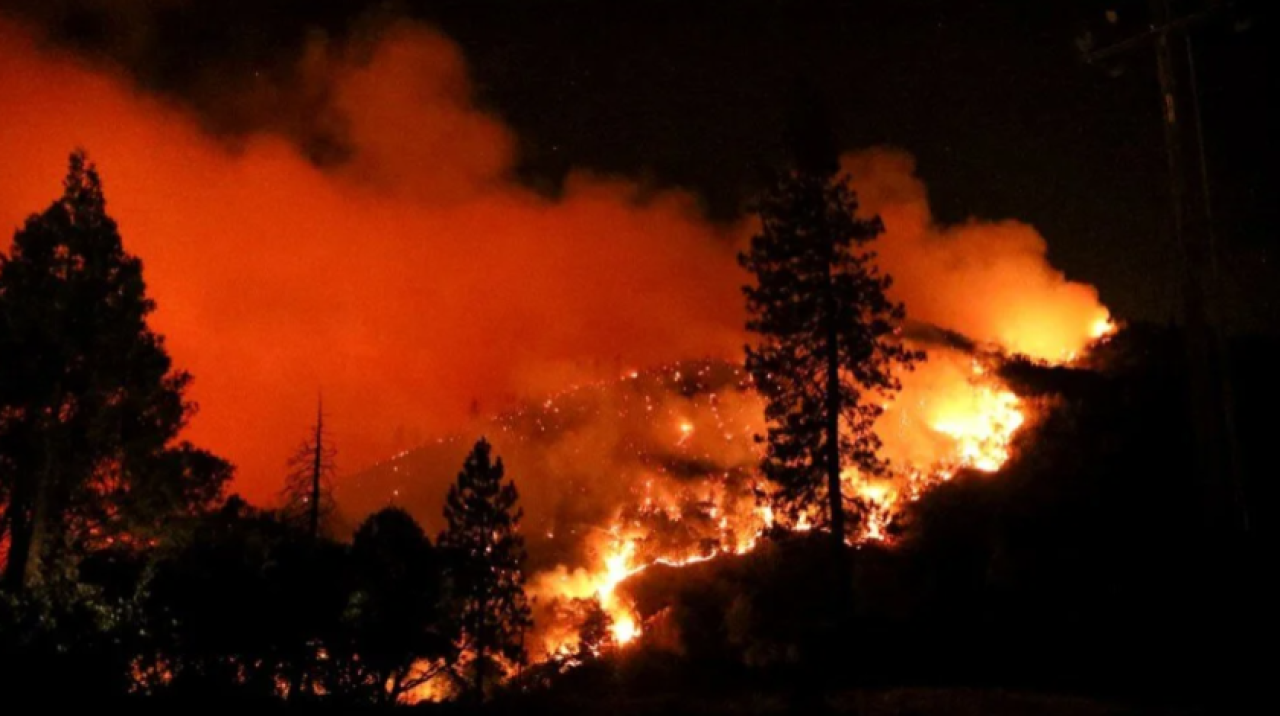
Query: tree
[
  {"x": 827, "y": 345},
  {"x": 90, "y": 405},
  {"x": 485, "y": 553},
  {"x": 396, "y": 640},
  {"x": 308, "y": 489},
  {"x": 595, "y": 633},
  {"x": 245, "y": 605}
]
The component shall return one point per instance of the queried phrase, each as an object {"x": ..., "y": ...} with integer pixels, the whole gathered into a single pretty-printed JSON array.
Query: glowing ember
[{"x": 686, "y": 431}]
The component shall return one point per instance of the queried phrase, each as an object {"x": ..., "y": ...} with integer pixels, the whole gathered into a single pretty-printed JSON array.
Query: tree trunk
[
  {"x": 27, "y": 512},
  {"x": 38, "y": 527},
  {"x": 835, "y": 500},
  {"x": 18, "y": 516},
  {"x": 835, "y": 496},
  {"x": 315, "y": 475}
]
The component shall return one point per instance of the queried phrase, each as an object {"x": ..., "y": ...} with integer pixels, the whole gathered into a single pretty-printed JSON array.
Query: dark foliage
[
  {"x": 90, "y": 405},
  {"x": 243, "y": 605},
  {"x": 486, "y": 554},
  {"x": 394, "y": 629}
]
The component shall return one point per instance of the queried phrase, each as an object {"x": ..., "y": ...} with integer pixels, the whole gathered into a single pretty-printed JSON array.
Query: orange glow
[
  {"x": 416, "y": 283},
  {"x": 988, "y": 280},
  {"x": 423, "y": 291},
  {"x": 409, "y": 286},
  {"x": 1102, "y": 328},
  {"x": 981, "y": 422},
  {"x": 686, "y": 431}
]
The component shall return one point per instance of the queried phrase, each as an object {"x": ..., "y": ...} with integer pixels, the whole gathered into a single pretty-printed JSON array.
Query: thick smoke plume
[
  {"x": 413, "y": 285},
  {"x": 418, "y": 285}
]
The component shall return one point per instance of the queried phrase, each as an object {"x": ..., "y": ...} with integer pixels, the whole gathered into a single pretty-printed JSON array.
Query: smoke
[
  {"x": 416, "y": 284},
  {"x": 412, "y": 285},
  {"x": 989, "y": 281}
]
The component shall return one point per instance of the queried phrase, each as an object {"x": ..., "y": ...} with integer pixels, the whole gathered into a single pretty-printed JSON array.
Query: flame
[
  {"x": 618, "y": 567},
  {"x": 686, "y": 431},
  {"x": 1102, "y": 328},
  {"x": 879, "y": 499},
  {"x": 981, "y": 422},
  {"x": 624, "y": 627},
  {"x": 954, "y": 414}
]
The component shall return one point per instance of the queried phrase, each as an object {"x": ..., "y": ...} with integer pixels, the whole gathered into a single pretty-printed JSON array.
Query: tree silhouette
[
  {"x": 393, "y": 616},
  {"x": 89, "y": 402},
  {"x": 308, "y": 489},
  {"x": 595, "y": 633},
  {"x": 486, "y": 554},
  {"x": 827, "y": 344},
  {"x": 245, "y": 604}
]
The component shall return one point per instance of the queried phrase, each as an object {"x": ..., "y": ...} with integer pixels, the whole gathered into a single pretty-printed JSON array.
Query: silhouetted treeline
[
  {"x": 126, "y": 572},
  {"x": 242, "y": 605}
]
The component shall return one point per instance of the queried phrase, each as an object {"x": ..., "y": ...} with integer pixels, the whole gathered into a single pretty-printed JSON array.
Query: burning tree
[
  {"x": 828, "y": 346},
  {"x": 308, "y": 489},
  {"x": 90, "y": 405},
  {"x": 595, "y": 634},
  {"x": 486, "y": 554}
]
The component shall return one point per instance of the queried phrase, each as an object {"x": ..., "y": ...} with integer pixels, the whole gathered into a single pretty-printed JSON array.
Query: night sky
[{"x": 991, "y": 97}]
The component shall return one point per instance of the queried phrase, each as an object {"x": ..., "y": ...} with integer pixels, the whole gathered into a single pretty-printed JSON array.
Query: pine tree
[
  {"x": 308, "y": 489},
  {"x": 90, "y": 406},
  {"x": 486, "y": 554},
  {"x": 827, "y": 345}
]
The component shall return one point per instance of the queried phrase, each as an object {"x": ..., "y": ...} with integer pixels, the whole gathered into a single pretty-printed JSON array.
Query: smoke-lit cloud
[
  {"x": 989, "y": 280},
  {"x": 416, "y": 283},
  {"x": 407, "y": 284}
]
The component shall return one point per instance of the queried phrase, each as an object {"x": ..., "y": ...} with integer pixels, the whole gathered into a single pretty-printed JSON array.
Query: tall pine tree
[
  {"x": 827, "y": 344},
  {"x": 486, "y": 554},
  {"x": 90, "y": 405}
]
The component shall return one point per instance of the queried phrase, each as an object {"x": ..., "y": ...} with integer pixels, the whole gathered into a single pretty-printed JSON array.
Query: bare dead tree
[{"x": 308, "y": 490}]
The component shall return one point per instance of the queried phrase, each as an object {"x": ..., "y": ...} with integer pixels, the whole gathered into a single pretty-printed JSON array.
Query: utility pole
[{"x": 1212, "y": 406}]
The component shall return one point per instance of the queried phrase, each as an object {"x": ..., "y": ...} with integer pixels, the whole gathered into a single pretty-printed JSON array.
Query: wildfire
[
  {"x": 668, "y": 457},
  {"x": 982, "y": 424},
  {"x": 617, "y": 568},
  {"x": 965, "y": 420},
  {"x": 658, "y": 468},
  {"x": 878, "y": 499},
  {"x": 1102, "y": 328}
]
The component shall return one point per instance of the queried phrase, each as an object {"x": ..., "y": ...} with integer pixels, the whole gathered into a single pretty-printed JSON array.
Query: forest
[{"x": 1094, "y": 567}]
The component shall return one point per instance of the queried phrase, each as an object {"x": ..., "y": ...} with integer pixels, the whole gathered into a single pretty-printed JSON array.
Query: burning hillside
[{"x": 660, "y": 467}]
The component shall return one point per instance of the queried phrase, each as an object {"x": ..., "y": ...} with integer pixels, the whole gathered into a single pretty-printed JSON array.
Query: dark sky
[{"x": 990, "y": 96}]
